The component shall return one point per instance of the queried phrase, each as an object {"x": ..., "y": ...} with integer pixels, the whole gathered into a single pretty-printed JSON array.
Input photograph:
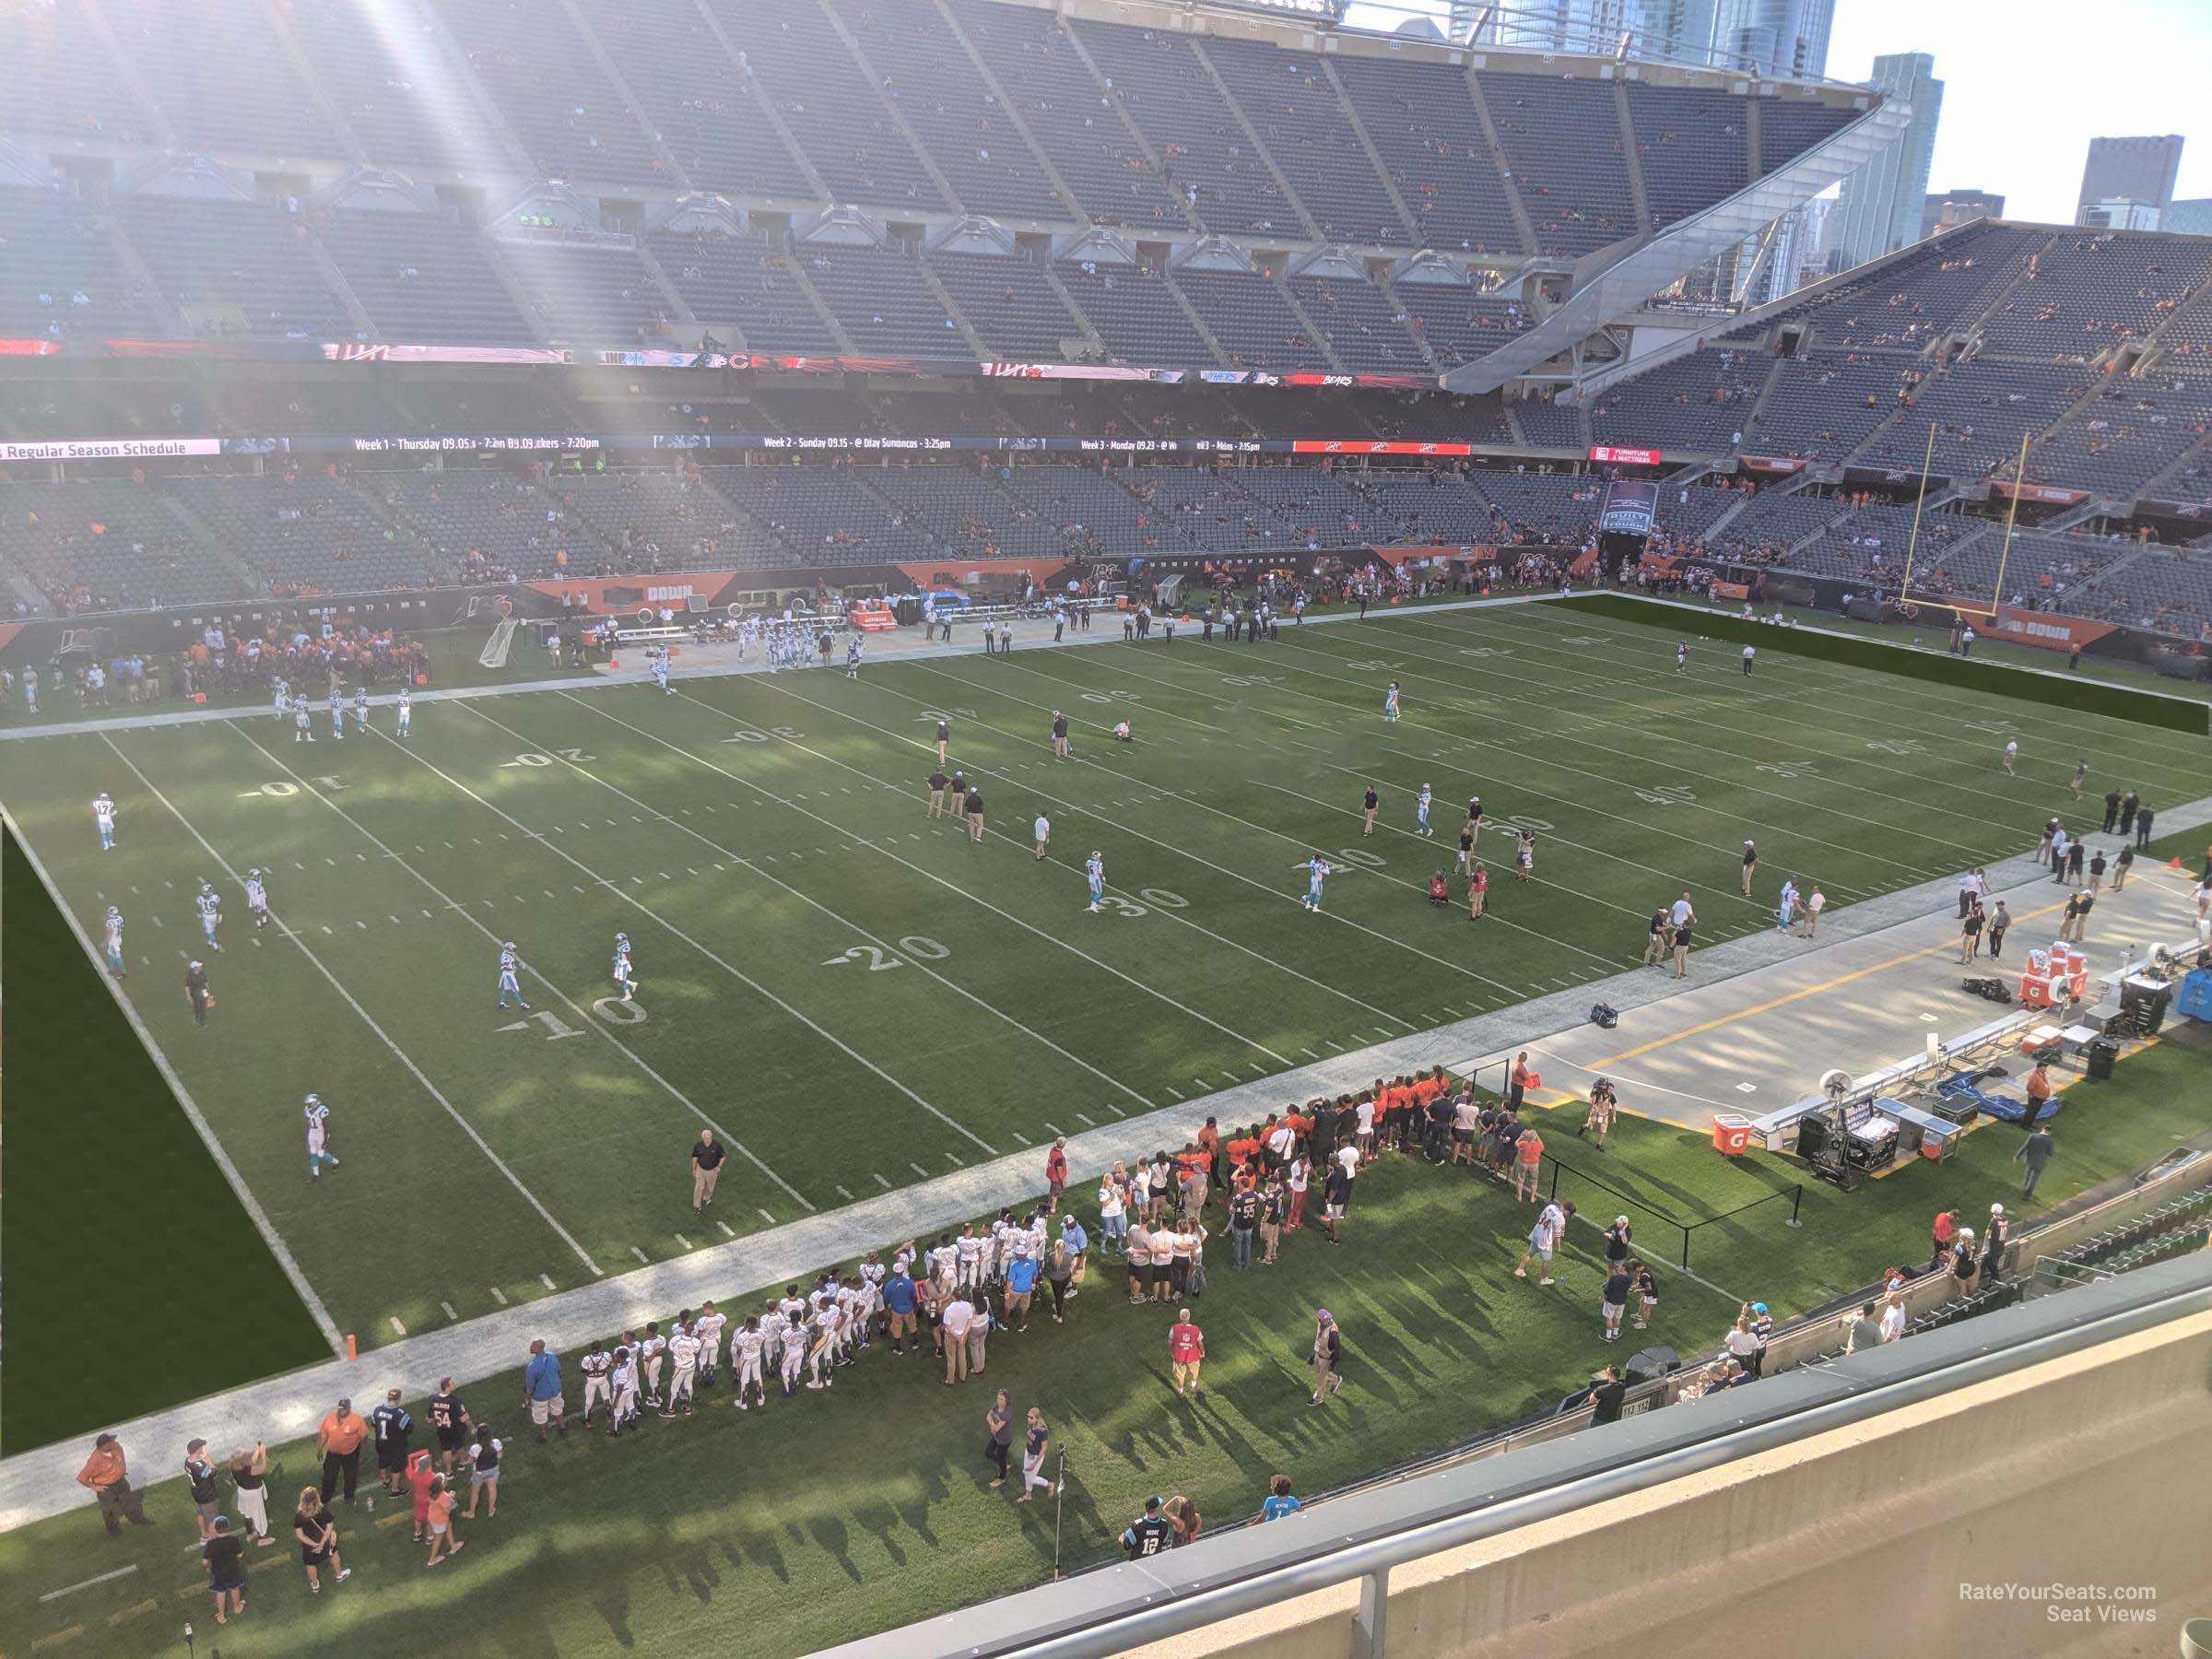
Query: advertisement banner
[
  {"x": 614, "y": 593},
  {"x": 1628, "y": 508},
  {"x": 1614, "y": 454},
  {"x": 1732, "y": 590},
  {"x": 2052, "y": 493},
  {"x": 2042, "y": 628},
  {"x": 1376, "y": 446},
  {"x": 962, "y": 572},
  {"x": 1769, "y": 463}
]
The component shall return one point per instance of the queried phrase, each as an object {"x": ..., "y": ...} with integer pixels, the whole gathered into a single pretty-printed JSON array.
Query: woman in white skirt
[{"x": 250, "y": 1475}]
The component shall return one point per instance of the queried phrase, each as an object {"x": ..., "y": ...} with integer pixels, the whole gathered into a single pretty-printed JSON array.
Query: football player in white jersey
[
  {"x": 707, "y": 1328},
  {"x": 510, "y": 983},
  {"x": 1317, "y": 872},
  {"x": 598, "y": 1366},
  {"x": 300, "y": 734},
  {"x": 1420, "y": 812},
  {"x": 111, "y": 942},
  {"x": 795, "y": 1352},
  {"x": 257, "y": 898},
  {"x": 683, "y": 1358},
  {"x": 747, "y": 1349},
  {"x": 652, "y": 1354},
  {"x": 1094, "y": 871},
  {"x": 820, "y": 1346},
  {"x": 625, "y": 978},
  {"x": 337, "y": 716},
  {"x": 623, "y": 1381},
  {"x": 360, "y": 709},
  {"x": 318, "y": 1137},
  {"x": 852, "y": 655},
  {"x": 103, "y": 820},
  {"x": 210, "y": 908},
  {"x": 407, "y": 709},
  {"x": 280, "y": 698},
  {"x": 659, "y": 669}
]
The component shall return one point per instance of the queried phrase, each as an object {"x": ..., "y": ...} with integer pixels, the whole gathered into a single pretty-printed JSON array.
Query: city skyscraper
[
  {"x": 2191, "y": 217},
  {"x": 2130, "y": 169},
  {"x": 1878, "y": 210},
  {"x": 1779, "y": 38},
  {"x": 1946, "y": 209},
  {"x": 1581, "y": 25}
]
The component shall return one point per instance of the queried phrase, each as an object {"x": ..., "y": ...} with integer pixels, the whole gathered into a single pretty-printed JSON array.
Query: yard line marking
[
  {"x": 1232, "y": 1077},
  {"x": 1112, "y": 1107},
  {"x": 1258, "y": 1070},
  {"x": 640, "y": 1255},
  {"x": 393, "y": 920},
  {"x": 927, "y": 971},
  {"x": 98, "y": 1578},
  {"x": 448, "y": 1309},
  {"x": 689, "y": 871},
  {"x": 1180, "y": 1096},
  {"x": 360, "y": 924},
  {"x": 401, "y": 1329},
  {"x": 1337, "y": 1047},
  {"x": 684, "y": 1241},
  {"x": 499, "y": 1296},
  {"x": 770, "y": 1219},
  {"x": 918, "y": 1170},
  {"x": 545, "y": 1279},
  {"x": 883, "y": 1183},
  {"x": 1089, "y": 1119},
  {"x": 582, "y": 1017},
  {"x": 367, "y": 1018},
  {"x": 325, "y": 928},
  {"x": 1309, "y": 1054},
  {"x": 727, "y": 1230},
  {"x": 1202, "y": 1083},
  {"x": 956, "y": 1161},
  {"x": 1055, "y": 1128},
  {"x": 845, "y": 1195},
  {"x": 1024, "y": 1139}
]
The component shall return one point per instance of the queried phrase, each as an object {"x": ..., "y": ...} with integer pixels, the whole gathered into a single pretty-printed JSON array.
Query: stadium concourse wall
[{"x": 2037, "y": 685}]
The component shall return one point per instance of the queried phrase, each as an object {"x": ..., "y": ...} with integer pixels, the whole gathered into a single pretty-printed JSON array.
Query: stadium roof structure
[{"x": 1575, "y": 184}]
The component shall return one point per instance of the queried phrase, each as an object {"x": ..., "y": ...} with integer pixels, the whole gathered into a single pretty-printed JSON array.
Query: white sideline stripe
[
  {"x": 447, "y": 1309},
  {"x": 260, "y": 1218},
  {"x": 350, "y": 1000},
  {"x": 499, "y": 1296},
  {"x": 98, "y": 1578},
  {"x": 597, "y": 1025},
  {"x": 726, "y": 966},
  {"x": 815, "y": 903},
  {"x": 954, "y": 886}
]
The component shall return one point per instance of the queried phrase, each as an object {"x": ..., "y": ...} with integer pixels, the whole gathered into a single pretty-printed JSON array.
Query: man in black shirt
[
  {"x": 1655, "y": 945},
  {"x": 937, "y": 791},
  {"x": 2112, "y": 809},
  {"x": 449, "y": 1422},
  {"x": 392, "y": 1424},
  {"x": 1059, "y": 736},
  {"x": 707, "y": 1154},
  {"x": 195, "y": 991},
  {"x": 1440, "y": 1111},
  {"x": 975, "y": 814},
  {"x": 1368, "y": 802},
  {"x": 199, "y": 1475},
  {"x": 1244, "y": 1217},
  {"x": 1606, "y": 1396},
  {"x": 1149, "y": 1535},
  {"x": 2143, "y": 817}
]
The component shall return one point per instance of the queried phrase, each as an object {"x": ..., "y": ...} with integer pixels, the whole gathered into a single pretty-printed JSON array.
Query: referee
[{"x": 707, "y": 1154}]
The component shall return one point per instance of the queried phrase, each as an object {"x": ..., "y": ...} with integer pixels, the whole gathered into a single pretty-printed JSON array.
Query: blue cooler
[{"x": 2195, "y": 998}]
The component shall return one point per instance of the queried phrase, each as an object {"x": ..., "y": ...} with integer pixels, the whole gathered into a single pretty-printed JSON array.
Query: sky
[{"x": 2028, "y": 83}]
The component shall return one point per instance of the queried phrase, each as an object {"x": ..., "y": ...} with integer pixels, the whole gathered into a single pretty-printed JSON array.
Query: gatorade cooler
[
  {"x": 2035, "y": 990},
  {"x": 1731, "y": 1134},
  {"x": 2039, "y": 962}
]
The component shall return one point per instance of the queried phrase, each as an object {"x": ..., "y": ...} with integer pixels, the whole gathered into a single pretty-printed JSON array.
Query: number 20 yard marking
[{"x": 880, "y": 960}]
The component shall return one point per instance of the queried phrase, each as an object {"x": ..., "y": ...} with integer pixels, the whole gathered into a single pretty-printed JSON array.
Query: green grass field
[
  {"x": 832, "y": 1515},
  {"x": 855, "y": 996}
]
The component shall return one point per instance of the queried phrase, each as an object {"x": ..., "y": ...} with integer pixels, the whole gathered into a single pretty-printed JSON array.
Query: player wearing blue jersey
[
  {"x": 626, "y": 977},
  {"x": 111, "y": 942},
  {"x": 1094, "y": 870},
  {"x": 1317, "y": 871},
  {"x": 103, "y": 820},
  {"x": 210, "y": 908},
  {"x": 510, "y": 983}
]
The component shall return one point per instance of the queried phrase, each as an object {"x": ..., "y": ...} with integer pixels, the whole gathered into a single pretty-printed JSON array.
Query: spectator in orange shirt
[
  {"x": 1209, "y": 1143},
  {"x": 1529, "y": 1162},
  {"x": 1517, "y": 1081},
  {"x": 339, "y": 1439},
  {"x": 105, "y": 1477}
]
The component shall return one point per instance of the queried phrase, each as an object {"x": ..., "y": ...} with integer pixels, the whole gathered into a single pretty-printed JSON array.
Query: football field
[{"x": 855, "y": 996}]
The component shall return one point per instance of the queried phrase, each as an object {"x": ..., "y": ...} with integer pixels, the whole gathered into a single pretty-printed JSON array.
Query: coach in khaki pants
[{"x": 707, "y": 1154}]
